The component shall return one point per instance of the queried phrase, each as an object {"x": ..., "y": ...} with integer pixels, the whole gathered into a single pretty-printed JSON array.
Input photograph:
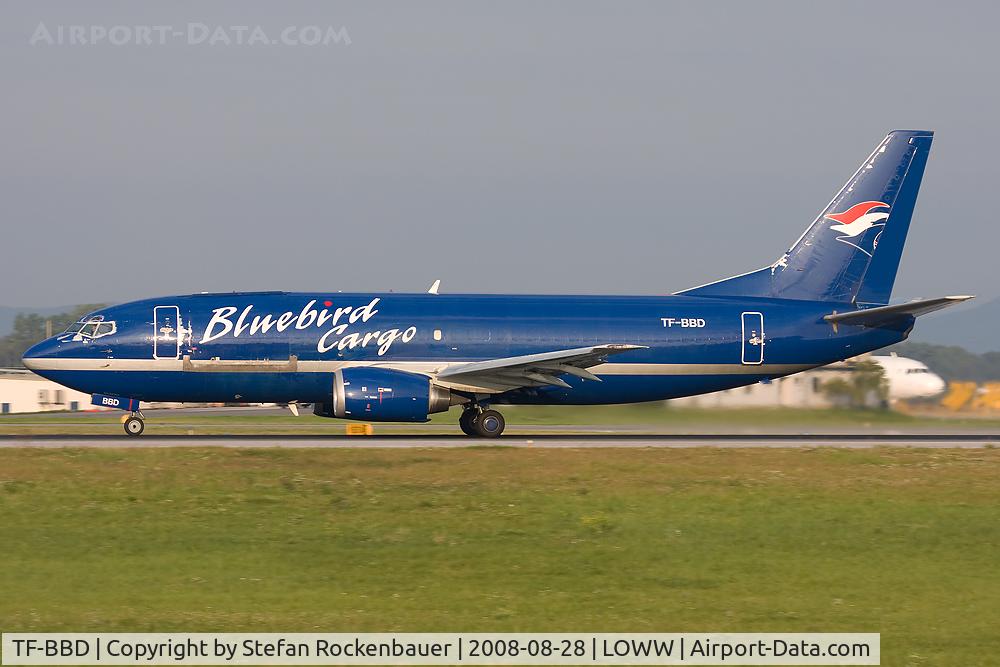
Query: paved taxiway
[{"x": 779, "y": 441}]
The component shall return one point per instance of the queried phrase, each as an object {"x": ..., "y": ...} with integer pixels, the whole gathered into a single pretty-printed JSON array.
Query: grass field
[
  {"x": 902, "y": 542},
  {"x": 638, "y": 418}
]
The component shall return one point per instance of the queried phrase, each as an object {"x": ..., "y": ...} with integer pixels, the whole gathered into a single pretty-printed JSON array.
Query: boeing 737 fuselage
[{"x": 401, "y": 357}]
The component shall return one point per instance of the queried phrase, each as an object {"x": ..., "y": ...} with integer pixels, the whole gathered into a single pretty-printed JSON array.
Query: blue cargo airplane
[{"x": 401, "y": 357}]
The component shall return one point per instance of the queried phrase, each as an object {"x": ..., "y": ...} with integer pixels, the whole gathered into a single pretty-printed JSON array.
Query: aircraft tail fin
[{"x": 851, "y": 251}]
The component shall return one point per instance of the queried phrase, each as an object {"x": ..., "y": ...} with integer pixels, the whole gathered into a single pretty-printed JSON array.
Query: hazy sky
[{"x": 615, "y": 147}]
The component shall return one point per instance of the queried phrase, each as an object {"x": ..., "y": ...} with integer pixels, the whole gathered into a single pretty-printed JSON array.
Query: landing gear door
[
  {"x": 753, "y": 338},
  {"x": 166, "y": 332}
]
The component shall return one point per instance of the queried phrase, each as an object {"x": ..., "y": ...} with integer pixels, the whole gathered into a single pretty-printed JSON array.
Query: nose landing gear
[
  {"x": 480, "y": 423},
  {"x": 133, "y": 424}
]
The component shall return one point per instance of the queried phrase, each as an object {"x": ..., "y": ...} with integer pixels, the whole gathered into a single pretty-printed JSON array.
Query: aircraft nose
[{"x": 44, "y": 350}]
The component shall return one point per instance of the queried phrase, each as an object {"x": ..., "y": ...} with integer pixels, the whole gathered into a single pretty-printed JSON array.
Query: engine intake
[{"x": 382, "y": 394}]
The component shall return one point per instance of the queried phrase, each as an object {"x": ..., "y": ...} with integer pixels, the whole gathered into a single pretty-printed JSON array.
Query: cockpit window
[{"x": 90, "y": 328}]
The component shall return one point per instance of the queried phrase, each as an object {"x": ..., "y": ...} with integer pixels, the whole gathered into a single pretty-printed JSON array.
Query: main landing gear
[
  {"x": 134, "y": 425},
  {"x": 480, "y": 423}
]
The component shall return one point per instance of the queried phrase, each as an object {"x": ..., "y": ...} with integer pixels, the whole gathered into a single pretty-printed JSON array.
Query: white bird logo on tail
[{"x": 857, "y": 220}]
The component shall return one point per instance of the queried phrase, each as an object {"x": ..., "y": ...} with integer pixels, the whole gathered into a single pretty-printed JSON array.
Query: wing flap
[{"x": 533, "y": 370}]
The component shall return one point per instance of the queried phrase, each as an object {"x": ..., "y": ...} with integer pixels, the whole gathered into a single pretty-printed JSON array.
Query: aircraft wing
[
  {"x": 532, "y": 370},
  {"x": 886, "y": 315}
]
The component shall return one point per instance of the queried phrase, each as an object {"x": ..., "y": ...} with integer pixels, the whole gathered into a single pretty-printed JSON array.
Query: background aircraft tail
[{"x": 851, "y": 251}]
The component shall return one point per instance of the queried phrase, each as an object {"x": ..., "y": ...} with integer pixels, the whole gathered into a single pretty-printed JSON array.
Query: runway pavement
[{"x": 779, "y": 441}]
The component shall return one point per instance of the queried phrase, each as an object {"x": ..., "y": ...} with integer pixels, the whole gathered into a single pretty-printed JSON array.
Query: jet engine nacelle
[{"x": 382, "y": 394}]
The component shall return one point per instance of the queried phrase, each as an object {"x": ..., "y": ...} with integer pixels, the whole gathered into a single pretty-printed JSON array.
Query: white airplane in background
[{"x": 909, "y": 378}]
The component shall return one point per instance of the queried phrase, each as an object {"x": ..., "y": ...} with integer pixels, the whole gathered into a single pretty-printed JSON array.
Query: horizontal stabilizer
[{"x": 888, "y": 315}]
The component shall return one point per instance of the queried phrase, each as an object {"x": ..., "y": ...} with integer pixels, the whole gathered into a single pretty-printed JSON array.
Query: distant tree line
[
  {"x": 952, "y": 362},
  {"x": 30, "y": 328},
  {"x": 865, "y": 387}
]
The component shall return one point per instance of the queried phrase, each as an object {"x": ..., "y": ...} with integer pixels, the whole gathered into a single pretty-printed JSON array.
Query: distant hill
[
  {"x": 9, "y": 313},
  {"x": 975, "y": 327}
]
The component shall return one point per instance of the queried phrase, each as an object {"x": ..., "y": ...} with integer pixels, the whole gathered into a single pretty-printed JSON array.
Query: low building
[
  {"x": 802, "y": 390},
  {"x": 23, "y": 391}
]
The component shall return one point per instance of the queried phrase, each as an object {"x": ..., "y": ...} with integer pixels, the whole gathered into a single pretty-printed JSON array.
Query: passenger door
[
  {"x": 753, "y": 338},
  {"x": 166, "y": 332}
]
